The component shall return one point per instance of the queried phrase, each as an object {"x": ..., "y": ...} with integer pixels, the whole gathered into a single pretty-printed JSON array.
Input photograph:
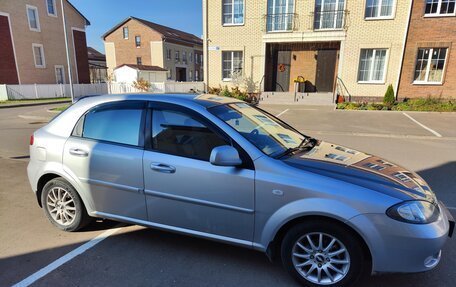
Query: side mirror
[{"x": 225, "y": 155}]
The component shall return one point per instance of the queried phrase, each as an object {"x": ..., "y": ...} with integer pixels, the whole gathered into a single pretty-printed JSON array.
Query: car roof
[{"x": 205, "y": 100}]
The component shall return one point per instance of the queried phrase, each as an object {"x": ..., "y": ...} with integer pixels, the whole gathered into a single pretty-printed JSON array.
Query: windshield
[{"x": 263, "y": 130}]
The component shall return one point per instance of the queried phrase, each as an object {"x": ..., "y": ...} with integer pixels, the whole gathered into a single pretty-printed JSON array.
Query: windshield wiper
[{"x": 307, "y": 142}]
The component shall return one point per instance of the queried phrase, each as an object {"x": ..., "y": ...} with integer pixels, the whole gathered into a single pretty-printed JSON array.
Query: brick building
[
  {"x": 140, "y": 42},
  {"x": 32, "y": 43},
  {"x": 429, "y": 67}
]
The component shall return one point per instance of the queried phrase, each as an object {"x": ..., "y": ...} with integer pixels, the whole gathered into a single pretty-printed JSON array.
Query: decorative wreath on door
[{"x": 282, "y": 68}]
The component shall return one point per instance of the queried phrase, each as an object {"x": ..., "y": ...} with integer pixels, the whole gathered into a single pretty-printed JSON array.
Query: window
[
  {"x": 125, "y": 32},
  {"x": 440, "y": 8},
  {"x": 177, "y": 56},
  {"x": 379, "y": 9},
  {"x": 38, "y": 56},
  {"x": 33, "y": 18},
  {"x": 196, "y": 75},
  {"x": 201, "y": 58},
  {"x": 118, "y": 123},
  {"x": 138, "y": 41},
  {"x": 280, "y": 15},
  {"x": 51, "y": 8},
  {"x": 59, "y": 75},
  {"x": 190, "y": 57},
  {"x": 329, "y": 14},
  {"x": 233, "y": 12},
  {"x": 168, "y": 54},
  {"x": 372, "y": 65},
  {"x": 231, "y": 63},
  {"x": 190, "y": 75},
  {"x": 196, "y": 58},
  {"x": 430, "y": 65},
  {"x": 138, "y": 61},
  {"x": 184, "y": 57},
  {"x": 180, "y": 134}
]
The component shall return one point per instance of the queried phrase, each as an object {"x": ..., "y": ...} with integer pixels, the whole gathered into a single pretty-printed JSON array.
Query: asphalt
[{"x": 137, "y": 256}]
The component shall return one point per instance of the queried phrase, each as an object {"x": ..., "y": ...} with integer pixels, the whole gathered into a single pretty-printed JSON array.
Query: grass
[
  {"x": 422, "y": 105},
  {"x": 60, "y": 109},
  {"x": 33, "y": 101}
]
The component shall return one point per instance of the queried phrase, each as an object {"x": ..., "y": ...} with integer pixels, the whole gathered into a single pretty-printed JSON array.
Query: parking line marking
[
  {"x": 451, "y": 208},
  {"x": 423, "y": 126},
  {"x": 281, "y": 113},
  {"x": 64, "y": 259}
]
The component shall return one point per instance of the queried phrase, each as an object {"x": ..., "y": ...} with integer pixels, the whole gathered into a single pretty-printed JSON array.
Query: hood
[{"x": 362, "y": 169}]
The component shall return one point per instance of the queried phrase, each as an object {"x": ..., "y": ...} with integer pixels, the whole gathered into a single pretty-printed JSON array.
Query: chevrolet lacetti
[{"x": 221, "y": 169}]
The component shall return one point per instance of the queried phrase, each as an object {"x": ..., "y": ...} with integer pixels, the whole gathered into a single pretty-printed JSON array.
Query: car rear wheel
[
  {"x": 322, "y": 253},
  {"x": 63, "y": 206}
]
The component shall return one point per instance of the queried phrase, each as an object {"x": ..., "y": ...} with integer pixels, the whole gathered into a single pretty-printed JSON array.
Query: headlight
[{"x": 418, "y": 212}]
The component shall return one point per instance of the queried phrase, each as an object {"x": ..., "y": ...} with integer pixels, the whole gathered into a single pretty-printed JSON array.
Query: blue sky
[{"x": 185, "y": 15}]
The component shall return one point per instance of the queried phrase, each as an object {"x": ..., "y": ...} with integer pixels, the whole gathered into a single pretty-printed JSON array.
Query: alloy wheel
[{"x": 61, "y": 206}]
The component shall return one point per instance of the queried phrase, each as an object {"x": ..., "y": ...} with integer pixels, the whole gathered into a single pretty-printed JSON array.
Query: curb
[{"x": 5, "y": 106}]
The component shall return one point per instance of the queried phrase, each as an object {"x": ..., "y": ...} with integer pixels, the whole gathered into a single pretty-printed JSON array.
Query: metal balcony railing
[
  {"x": 285, "y": 22},
  {"x": 330, "y": 20}
]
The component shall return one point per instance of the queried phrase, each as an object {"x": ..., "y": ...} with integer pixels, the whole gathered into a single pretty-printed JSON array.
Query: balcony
[
  {"x": 330, "y": 20},
  {"x": 286, "y": 22}
]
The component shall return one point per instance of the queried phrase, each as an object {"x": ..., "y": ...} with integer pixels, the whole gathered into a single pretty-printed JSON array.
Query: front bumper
[{"x": 402, "y": 247}]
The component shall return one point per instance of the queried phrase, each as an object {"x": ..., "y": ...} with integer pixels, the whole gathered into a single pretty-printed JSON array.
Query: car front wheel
[{"x": 322, "y": 253}]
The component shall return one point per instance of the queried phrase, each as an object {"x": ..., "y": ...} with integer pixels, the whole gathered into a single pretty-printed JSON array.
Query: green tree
[{"x": 389, "y": 98}]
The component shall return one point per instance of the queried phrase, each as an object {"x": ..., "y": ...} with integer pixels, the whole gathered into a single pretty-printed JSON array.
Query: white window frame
[
  {"x": 190, "y": 75},
  {"x": 136, "y": 42},
  {"x": 55, "y": 8},
  {"x": 335, "y": 16},
  {"x": 378, "y": 17},
  {"x": 169, "y": 54},
  {"x": 232, "y": 63},
  {"x": 385, "y": 68},
  {"x": 428, "y": 66},
  {"x": 232, "y": 14},
  {"x": 286, "y": 12},
  {"x": 63, "y": 73},
  {"x": 38, "y": 29},
  {"x": 123, "y": 33},
  {"x": 439, "y": 5},
  {"x": 177, "y": 57},
  {"x": 184, "y": 57},
  {"x": 43, "y": 66},
  {"x": 196, "y": 75}
]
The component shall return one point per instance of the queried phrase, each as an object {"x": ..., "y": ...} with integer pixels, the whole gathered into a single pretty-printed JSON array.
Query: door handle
[
  {"x": 78, "y": 152},
  {"x": 160, "y": 167}
]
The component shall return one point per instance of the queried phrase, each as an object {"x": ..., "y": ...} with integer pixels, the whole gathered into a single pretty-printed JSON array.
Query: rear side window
[{"x": 118, "y": 123}]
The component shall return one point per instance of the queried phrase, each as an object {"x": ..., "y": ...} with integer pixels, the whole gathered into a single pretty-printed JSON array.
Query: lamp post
[{"x": 70, "y": 78}]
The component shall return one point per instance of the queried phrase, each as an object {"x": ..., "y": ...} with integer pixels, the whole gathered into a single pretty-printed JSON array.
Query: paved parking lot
[{"x": 136, "y": 256}]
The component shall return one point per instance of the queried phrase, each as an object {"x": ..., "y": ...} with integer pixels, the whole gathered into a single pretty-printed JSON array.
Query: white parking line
[
  {"x": 281, "y": 113},
  {"x": 423, "y": 126},
  {"x": 67, "y": 257},
  {"x": 451, "y": 208}
]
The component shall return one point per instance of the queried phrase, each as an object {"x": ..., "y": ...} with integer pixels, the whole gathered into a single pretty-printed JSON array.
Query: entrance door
[
  {"x": 326, "y": 69},
  {"x": 181, "y": 74},
  {"x": 283, "y": 71}
]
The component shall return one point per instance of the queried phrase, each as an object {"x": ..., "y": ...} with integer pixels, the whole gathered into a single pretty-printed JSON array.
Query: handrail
[{"x": 341, "y": 82}]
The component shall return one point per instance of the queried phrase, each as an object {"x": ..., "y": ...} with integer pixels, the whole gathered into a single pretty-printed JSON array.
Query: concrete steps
[{"x": 288, "y": 98}]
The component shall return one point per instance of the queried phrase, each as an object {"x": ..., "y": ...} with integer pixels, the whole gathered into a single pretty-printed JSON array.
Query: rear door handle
[
  {"x": 78, "y": 152},
  {"x": 160, "y": 167}
]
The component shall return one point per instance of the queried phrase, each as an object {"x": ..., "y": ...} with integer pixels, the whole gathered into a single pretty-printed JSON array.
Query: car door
[
  {"x": 183, "y": 189},
  {"x": 105, "y": 154}
]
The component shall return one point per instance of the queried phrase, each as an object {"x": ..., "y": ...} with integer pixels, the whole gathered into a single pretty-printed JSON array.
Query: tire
[
  {"x": 319, "y": 259},
  {"x": 63, "y": 206}
]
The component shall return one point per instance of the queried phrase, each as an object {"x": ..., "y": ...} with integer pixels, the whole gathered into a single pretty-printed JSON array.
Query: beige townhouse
[
  {"x": 348, "y": 47},
  {"x": 136, "y": 41},
  {"x": 32, "y": 42}
]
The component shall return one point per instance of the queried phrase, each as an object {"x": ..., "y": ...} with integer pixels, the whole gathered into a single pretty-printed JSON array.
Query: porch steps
[{"x": 288, "y": 98}]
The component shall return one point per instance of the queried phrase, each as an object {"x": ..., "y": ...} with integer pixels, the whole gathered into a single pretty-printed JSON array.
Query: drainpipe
[
  {"x": 403, "y": 47},
  {"x": 67, "y": 52},
  {"x": 206, "y": 41}
]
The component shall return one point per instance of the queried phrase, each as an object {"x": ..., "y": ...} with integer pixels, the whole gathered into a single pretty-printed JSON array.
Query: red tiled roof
[{"x": 142, "y": 67}]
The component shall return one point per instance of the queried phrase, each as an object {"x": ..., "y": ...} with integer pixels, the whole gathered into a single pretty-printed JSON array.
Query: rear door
[
  {"x": 326, "y": 69},
  {"x": 105, "y": 155}
]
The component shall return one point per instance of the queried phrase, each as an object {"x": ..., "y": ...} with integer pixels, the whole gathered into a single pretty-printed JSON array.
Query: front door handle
[
  {"x": 160, "y": 167},
  {"x": 78, "y": 152}
]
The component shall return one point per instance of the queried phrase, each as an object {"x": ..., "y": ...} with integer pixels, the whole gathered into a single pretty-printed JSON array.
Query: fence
[{"x": 26, "y": 92}]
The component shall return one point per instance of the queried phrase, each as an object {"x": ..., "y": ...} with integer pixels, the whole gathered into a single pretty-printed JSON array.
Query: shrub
[
  {"x": 389, "y": 99},
  {"x": 141, "y": 85},
  {"x": 225, "y": 92}
]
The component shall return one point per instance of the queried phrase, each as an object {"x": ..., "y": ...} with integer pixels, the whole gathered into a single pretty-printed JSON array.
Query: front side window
[
  {"x": 440, "y": 8},
  {"x": 262, "y": 130},
  {"x": 117, "y": 123},
  {"x": 379, "y": 9},
  {"x": 38, "y": 55},
  {"x": 51, "y": 10},
  {"x": 180, "y": 134},
  {"x": 372, "y": 65},
  {"x": 430, "y": 65},
  {"x": 33, "y": 18},
  {"x": 138, "y": 41},
  {"x": 233, "y": 12},
  {"x": 231, "y": 64},
  {"x": 125, "y": 32}
]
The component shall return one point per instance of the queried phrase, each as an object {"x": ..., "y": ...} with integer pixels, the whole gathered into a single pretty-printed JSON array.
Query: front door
[
  {"x": 326, "y": 69},
  {"x": 105, "y": 155},
  {"x": 184, "y": 190},
  {"x": 181, "y": 74},
  {"x": 282, "y": 82}
]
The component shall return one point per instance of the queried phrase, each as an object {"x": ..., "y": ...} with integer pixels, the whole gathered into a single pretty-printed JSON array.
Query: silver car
[{"x": 220, "y": 169}]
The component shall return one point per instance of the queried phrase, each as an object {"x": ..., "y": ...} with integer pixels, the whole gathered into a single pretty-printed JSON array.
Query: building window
[
  {"x": 201, "y": 58},
  {"x": 233, "y": 12},
  {"x": 190, "y": 57},
  {"x": 125, "y": 32},
  {"x": 440, "y": 8},
  {"x": 59, "y": 75},
  {"x": 51, "y": 8},
  {"x": 190, "y": 75},
  {"x": 381, "y": 9},
  {"x": 33, "y": 18},
  {"x": 329, "y": 14},
  {"x": 168, "y": 54},
  {"x": 138, "y": 60},
  {"x": 138, "y": 41},
  {"x": 372, "y": 65},
  {"x": 196, "y": 75},
  {"x": 231, "y": 63},
  {"x": 184, "y": 57},
  {"x": 177, "y": 56},
  {"x": 430, "y": 65},
  {"x": 280, "y": 15},
  {"x": 38, "y": 56}
]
